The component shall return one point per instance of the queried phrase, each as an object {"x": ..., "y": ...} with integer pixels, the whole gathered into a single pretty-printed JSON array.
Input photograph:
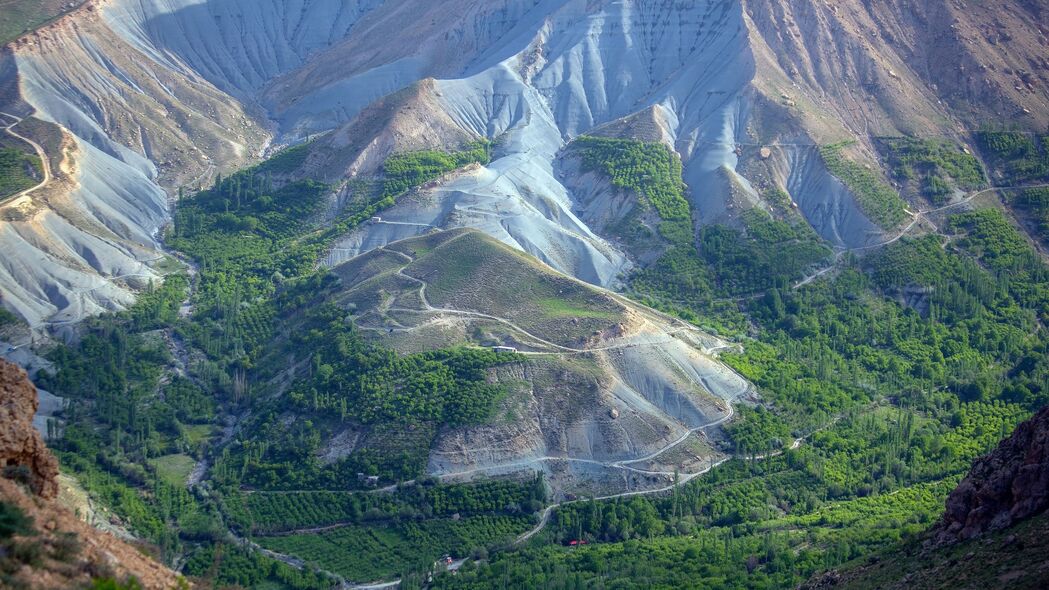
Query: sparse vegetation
[
  {"x": 877, "y": 200},
  {"x": 937, "y": 166}
]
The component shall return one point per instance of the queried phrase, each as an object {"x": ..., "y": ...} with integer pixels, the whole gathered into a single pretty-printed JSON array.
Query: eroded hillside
[{"x": 155, "y": 95}]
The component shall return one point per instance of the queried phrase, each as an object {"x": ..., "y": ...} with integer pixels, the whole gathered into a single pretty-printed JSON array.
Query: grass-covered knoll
[
  {"x": 374, "y": 553},
  {"x": 937, "y": 166},
  {"x": 1017, "y": 157},
  {"x": 470, "y": 271},
  {"x": 877, "y": 200},
  {"x": 651, "y": 171},
  {"x": 18, "y": 171}
]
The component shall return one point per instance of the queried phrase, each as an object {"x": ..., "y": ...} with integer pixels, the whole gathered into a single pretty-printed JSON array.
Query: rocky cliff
[
  {"x": 68, "y": 553},
  {"x": 1007, "y": 486},
  {"x": 20, "y": 444}
]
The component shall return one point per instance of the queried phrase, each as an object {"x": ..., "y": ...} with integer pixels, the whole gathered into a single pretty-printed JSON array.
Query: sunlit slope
[{"x": 610, "y": 395}]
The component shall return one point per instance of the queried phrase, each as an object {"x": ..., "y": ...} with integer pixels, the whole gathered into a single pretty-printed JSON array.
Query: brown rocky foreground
[{"x": 68, "y": 552}]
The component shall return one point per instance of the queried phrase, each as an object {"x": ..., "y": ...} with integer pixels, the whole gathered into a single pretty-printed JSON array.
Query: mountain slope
[{"x": 788, "y": 77}]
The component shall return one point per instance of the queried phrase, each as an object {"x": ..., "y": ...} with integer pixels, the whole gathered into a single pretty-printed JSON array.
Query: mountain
[
  {"x": 543, "y": 292},
  {"x": 154, "y": 95},
  {"x": 611, "y": 392},
  {"x": 45, "y": 544}
]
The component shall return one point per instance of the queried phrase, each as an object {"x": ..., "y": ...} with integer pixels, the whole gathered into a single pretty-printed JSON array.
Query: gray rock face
[{"x": 1006, "y": 486}]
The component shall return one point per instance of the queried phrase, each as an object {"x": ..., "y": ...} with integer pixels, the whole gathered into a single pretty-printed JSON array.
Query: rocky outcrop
[
  {"x": 72, "y": 552},
  {"x": 23, "y": 454},
  {"x": 1007, "y": 486}
]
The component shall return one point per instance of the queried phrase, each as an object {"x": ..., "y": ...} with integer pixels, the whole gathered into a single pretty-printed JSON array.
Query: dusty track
[
  {"x": 45, "y": 163},
  {"x": 915, "y": 219}
]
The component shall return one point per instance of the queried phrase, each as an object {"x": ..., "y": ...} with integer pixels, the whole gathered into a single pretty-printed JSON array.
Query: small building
[
  {"x": 368, "y": 480},
  {"x": 376, "y": 219},
  {"x": 504, "y": 350}
]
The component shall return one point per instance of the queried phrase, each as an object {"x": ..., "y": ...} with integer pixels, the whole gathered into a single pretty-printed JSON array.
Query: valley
[{"x": 526, "y": 293}]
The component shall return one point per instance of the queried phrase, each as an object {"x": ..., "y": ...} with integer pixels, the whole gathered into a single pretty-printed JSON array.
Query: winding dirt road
[
  {"x": 915, "y": 219},
  {"x": 45, "y": 163}
]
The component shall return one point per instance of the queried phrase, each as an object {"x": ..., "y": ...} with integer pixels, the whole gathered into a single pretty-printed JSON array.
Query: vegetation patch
[
  {"x": 936, "y": 166},
  {"x": 173, "y": 469},
  {"x": 135, "y": 428},
  {"x": 473, "y": 272},
  {"x": 18, "y": 171},
  {"x": 229, "y": 565},
  {"x": 1017, "y": 157},
  {"x": 877, "y": 200},
  {"x": 649, "y": 170},
  {"x": 18, "y": 17},
  {"x": 274, "y": 512},
  {"x": 365, "y": 554}
]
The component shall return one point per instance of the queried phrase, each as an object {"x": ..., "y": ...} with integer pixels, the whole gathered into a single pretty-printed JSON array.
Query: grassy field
[
  {"x": 174, "y": 469},
  {"x": 21, "y": 16}
]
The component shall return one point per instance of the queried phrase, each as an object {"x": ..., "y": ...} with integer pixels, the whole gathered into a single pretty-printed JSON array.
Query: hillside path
[
  {"x": 45, "y": 163},
  {"x": 916, "y": 218}
]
